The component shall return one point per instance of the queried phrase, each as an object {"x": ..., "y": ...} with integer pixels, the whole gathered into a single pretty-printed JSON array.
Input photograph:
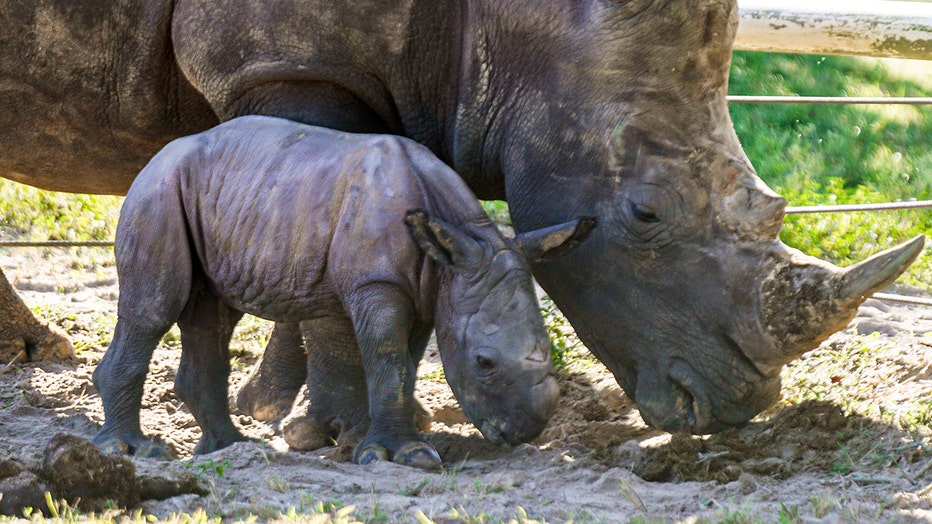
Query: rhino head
[
  {"x": 684, "y": 291},
  {"x": 492, "y": 340}
]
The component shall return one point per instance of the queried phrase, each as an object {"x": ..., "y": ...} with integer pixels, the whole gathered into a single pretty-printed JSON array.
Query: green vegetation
[
  {"x": 845, "y": 154},
  {"x": 33, "y": 214}
]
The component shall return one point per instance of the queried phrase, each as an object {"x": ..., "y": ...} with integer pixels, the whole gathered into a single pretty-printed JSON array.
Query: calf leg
[
  {"x": 203, "y": 374},
  {"x": 274, "y": 383},
  {"x": 119, "y": 380},
  {"x": 383, "y": 319},
  {"x": 336, "y": 386}
]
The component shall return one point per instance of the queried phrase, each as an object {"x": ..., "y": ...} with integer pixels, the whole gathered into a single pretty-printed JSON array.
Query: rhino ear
[
  {"x": 441, "y": 241},
  {"x": 553, "y": 241}
]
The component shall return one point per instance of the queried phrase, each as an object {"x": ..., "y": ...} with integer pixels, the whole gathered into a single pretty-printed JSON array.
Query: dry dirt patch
[{"x": 834, "y": 451}]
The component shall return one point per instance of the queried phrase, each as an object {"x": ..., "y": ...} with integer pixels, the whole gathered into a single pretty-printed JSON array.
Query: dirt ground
[{"x": 806, "y": 461}]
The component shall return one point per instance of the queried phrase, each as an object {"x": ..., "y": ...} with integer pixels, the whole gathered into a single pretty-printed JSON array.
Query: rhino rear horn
[{"x": 553, "y": 241}]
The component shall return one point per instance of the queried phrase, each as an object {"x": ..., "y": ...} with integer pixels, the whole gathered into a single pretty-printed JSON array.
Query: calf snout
[{"x": 528, "y": 418}]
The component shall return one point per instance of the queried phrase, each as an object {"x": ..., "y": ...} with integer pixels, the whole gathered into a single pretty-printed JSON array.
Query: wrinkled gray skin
[
  {"x": 612, "y": 109},
  {"x": 298, "y": 223}
]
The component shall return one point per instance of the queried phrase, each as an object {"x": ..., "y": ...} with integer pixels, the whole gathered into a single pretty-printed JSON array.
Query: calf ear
[
  {"x": 441, "y": 241},
  {"x": 553, "y": 241}
]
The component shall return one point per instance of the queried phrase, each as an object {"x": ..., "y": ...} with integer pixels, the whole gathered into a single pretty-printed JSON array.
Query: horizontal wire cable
[
  {"x": 829, "y": 100},
  {"x": 56, "y": 243},
  {"x": 845, "y": 208}
]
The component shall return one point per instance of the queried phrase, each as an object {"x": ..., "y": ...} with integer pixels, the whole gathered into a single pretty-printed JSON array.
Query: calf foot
[
  {"x": 137, "y": 445},
  {"x": 414, "y": 453},
  {"x": 370, "y": 453},
  {"x": 209, "y": 444}
]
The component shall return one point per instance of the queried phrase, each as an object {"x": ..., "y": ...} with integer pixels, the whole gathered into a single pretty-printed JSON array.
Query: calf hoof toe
[
  {"x": 369, "y": 454},
  {"x": 419, "y": 455},
  {"x": 145, "y": 448}
]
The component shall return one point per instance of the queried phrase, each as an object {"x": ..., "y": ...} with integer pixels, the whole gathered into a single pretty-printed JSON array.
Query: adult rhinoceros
[{"x": 607, "y": 108}]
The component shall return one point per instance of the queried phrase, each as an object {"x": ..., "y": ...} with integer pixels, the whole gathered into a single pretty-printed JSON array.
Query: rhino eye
[
  {"x": 643, "y": 213},
  {"x": 485, "y": 363}
]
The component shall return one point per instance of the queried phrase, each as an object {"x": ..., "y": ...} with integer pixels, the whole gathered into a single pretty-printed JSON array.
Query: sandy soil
[{"x": 597, "y": 462}]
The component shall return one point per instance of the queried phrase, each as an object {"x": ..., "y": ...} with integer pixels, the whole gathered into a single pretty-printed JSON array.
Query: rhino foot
[
  {"x": 302, "y": 434},
  {"x": 54, "y": 345},
  {"x": 414, "y": 453},
  {"x": 211, "y": 443},
  {"x": 263, "y": 403},
  {"x": 139, "y": 446},
  {"x": 418, "y": 454}
]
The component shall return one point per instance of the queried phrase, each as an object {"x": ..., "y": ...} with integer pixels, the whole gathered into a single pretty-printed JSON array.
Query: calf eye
[{"x": 484, "y": 363}]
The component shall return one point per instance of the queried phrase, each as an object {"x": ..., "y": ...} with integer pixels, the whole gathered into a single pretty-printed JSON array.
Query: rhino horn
[
  {"x": 868, "y": 276},
  {"x": 749, "y": 207},
  {"x": 804, "y": 299}
]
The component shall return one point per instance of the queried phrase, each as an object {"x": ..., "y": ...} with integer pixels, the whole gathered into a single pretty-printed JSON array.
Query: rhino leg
[
  {"x": 119, "y": 380},
  {"x": 203, "y": 374},
  {"x": 383, "y": 319},
  {"x": 270, "y": 390},
  {"x": 336, "y": 387},
  {"x": 22, "y": 336},
  {"x": 336, "y": 384}
]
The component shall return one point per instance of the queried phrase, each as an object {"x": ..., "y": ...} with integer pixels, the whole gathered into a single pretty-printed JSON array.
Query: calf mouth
[{"x": 525, "y": 421}]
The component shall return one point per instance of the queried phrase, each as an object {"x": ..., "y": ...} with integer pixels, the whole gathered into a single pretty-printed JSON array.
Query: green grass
[
  {"x": 840, "y": 154},
  {"x": 34, "y": 214}
]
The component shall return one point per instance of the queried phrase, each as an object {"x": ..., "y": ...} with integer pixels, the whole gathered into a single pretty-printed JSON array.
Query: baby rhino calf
[{"x": 295, "y": 223}]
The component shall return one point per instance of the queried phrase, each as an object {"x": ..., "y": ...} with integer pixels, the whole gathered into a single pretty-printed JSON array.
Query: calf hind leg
[{"x": 203, "y": 375}]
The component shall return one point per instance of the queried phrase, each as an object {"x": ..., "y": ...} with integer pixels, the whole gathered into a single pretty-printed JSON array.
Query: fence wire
[{"x": 830, "y": 100}]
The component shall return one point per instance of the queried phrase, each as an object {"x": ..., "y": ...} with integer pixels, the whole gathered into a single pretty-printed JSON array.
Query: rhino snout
[
  {"x": 527, "y": 420},
  {"x": 544, "y": 398},
  {"x": 685, "y": 402}
]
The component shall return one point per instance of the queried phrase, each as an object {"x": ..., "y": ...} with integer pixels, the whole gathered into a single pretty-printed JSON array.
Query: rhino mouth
[
  {"x": 687, "y": 416},
  {"x": 495, "y": 431}
]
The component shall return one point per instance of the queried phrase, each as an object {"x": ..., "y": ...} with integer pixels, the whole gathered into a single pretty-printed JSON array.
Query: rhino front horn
[
  {"x": 879, "y": 271},
  {"x": 805, "y": 299}
]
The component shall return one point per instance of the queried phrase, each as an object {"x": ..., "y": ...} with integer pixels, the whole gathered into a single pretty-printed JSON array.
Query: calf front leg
[
  {"x": 383, "y": 318},
  {"x": 203, "y": 375},
  {"x": 119, "y": 379},
  {"x": 336, "y": 386}
]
